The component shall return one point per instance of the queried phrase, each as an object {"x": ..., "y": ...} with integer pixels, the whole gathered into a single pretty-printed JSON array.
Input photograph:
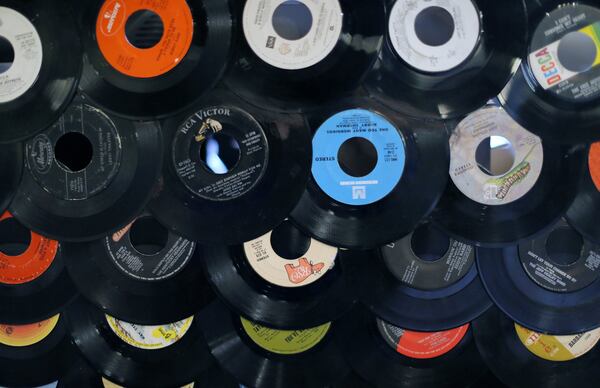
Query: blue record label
[{"x": 381, "y": 180}]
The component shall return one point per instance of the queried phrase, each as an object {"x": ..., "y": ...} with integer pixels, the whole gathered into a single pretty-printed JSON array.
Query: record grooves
[{"x": 11, "y": 160}]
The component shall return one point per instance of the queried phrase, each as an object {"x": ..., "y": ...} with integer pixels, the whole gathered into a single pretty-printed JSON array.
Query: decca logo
[
  {"x": 112, "y": 18},
  {"x": 548, "y": 66}
]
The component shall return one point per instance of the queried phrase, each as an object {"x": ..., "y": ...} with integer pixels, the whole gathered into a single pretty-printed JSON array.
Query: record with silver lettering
[{"x": 11, "y": 160}]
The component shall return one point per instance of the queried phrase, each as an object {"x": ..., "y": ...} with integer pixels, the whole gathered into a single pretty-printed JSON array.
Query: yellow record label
[
  {"x": 557, "y": 348},
  {"x": 109, "y": 384},
  {"x": 27, "y": 335},
  {"x": 149, "y": 337}
]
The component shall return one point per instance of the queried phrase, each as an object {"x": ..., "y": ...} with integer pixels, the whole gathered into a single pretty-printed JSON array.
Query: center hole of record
[
  {"x": 434, "y": 26},
  {"x": 144, "y": 29},
  {"x": 292, "y": 20},
  {"x": 73, "y": 151},
  {"x": 14, "y": 237},
  {"x": 7, "y": 55},
  {"x": 288, "y": 242},
  {"x": 577, "y": 52},
  {"x": 495, "y": 155},
  {"x": 220, "y": 153},
  {"x": 429, "y": 243},
  {"x": 148, "y": 236},
  {"x": 564, "y": 246},
  {"x": 357, "y": 157}
]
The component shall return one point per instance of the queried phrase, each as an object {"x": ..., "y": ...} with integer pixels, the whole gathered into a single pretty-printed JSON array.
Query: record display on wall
[{"x": 11, "y": 160}]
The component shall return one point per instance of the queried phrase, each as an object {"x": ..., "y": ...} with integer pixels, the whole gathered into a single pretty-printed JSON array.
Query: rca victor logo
[
  {"x": 209, "y": 125},
  {"x": 303, "y": 271},
  {"x": 112, "y": 17}
]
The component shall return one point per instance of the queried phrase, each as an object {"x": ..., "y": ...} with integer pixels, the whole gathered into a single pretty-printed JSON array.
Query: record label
[
  {"x": 81, "y": 127},
  {"x": 328, "y": 143},
  {"x": 292, "y": 34},
  {"x": 421, "y": 345},
  {"x": 198, "y": 131},
  {"x": 557, "y": 348},
  {"x": 594, "y": 164},
  {"x": 18, "y": 77},
  {"x": 479, "y": 186},
  {"x": 29, "y": 265},
  {"x": 149, "y": 337},
  {"x": 436, "y": 35},
  {"x": 27, "y": 335},
  {"x": 277, "y": 270},
  {"x": 144, "y": 39},
  {"x": 109, "y": 384},
  {"x": 285, "y": 341},
  {"x": 565, "y": 52}
]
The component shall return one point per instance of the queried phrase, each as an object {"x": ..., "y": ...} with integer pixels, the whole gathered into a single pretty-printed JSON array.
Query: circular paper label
[
  {"x": 285, "y": 341},
  {"x": 324, "y": 33},
  {"x": 594, "y": 164},
  {"x": 564, "y": 54},
  {"x": 149, "y": 337},
  {"x": 109, "y": 384},
  {"x": 27, "y": 335},
  {"x": 421, "y": 345},
  {"x": 471, "y": 180},
  {"x": 28, "y": 55},
  {"x": 402, "y": 29},
  {"x": 382, "y": 134},
  {"x": 173, "y": 46},
  {"x": 557, "y": 348}
]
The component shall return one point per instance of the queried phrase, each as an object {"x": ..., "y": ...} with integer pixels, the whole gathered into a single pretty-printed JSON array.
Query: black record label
[{"x": 196, "y": 150}]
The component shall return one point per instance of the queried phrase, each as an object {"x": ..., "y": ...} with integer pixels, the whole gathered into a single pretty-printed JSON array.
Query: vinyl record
[
  {"x": 88, "y": 175},
  {"x": 37, "y": 79},
  {"x": 142, "y": 273},
  {"x": 11, "y": 160},
  {"x": 283, "y": 279},
  {"x": 80, "y": 374},
  {"x": 426, "y": 281},
  {"x": 447, "y": 58},
  {"x": 506, "y": 183},
  {"x": 522, "y": 358},
  {"x": 388, "y": 356},
  {"x": 34, "y": 354},
  {"x": 231, "y": 172},
  {"x": 132, "y": 355},
  {"x": 260, "y": 357},
  {"x": 583, "y": 213},
  {"x": 296, "y": 55},
  {"x": 375, "y": 175},
  {"x": 556, "y": 92},
  {"x": 149, "y": 59},
  {"x": 34, "y": 284},
  {"x": 549, "y": 283}
]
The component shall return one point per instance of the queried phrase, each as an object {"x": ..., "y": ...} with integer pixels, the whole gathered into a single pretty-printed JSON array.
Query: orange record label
[
  {"x": 27, "y": 335},
  {"x": 594, "y": 163},
  {"x": 29, "y": 265},
  {"x": 120, "y": 53}
]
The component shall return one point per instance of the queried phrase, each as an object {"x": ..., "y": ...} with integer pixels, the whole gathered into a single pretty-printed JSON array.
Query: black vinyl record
[
  {"x": 88, "y": 175},
  {"x": 132, "y": 355},
  {"x": 37, "y": 79},
  {"x": 11, "y": 160},
  {"x": 453, "y": 58},
  {"x": 142, "y": 273},
  {"x": 549, "y": 283},
  {"x": 153, "y": 59},
  {"x": 298, "y": 55},
  {"x": 80, "y": 374},
  {"x": 388, "y": 356},
  {"x": 375, "y": 175},
  {"x": 231, "y": 172},
  {"x": 522, "y": 358},
  {"x": 426, "y": 281},
  {"x": 261, "y": 357},
  {"x": 556, "y": 92},
  {"x": 283, "y": 279},
  {"x": 506, "y": 183}
]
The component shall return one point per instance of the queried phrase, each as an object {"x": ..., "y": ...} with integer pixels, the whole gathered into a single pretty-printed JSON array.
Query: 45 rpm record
[
  {"x": 556, "y": 93},
  {"x": 34, "y": 283},
  {"x": 295, "y": 55},
  {"x": 523, "y": 358},
  {"x": 549, "y": 283},
  {"x": 11, "y": 160},
  {"x": 261, "y": 357},
  {"x": 231, "y": 172},
  {"x": 88, "y": 175},
  {"x": 37, "y": 79},
  {"x": 447, "y": 58},
  {"x": 375, "y": 175},
  {"x": 133, "y": 355},
  {"x": 506, "y": 183},
  {"x": 141, "y": 273},
  {"x": 388, "y": 356},
  {"x": 283, "y": 279},
  {"x": 149, "y": 59},
  {"x": 80, "y": 374},
  {"x": 426, "y": 281}
]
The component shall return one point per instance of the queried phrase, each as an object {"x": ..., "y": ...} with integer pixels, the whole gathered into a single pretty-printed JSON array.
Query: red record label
[{"x": 594, "y": 163}]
